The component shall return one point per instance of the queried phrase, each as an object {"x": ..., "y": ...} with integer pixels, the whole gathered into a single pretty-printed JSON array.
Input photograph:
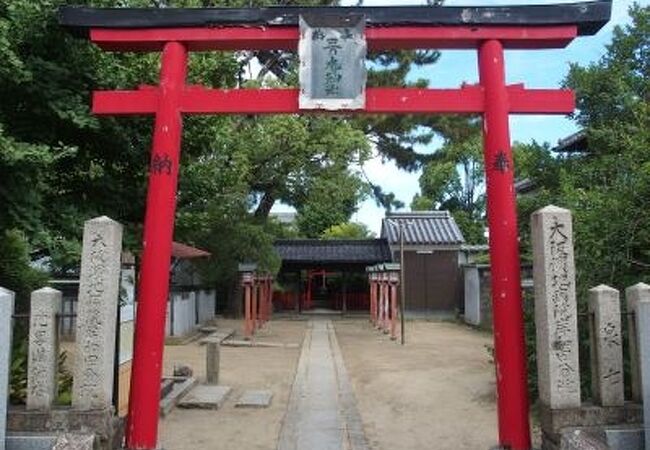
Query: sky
[{"x": 536, "y": 69}]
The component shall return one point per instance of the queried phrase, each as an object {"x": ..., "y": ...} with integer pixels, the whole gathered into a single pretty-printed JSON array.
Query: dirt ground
[
  {"x": 437, "y": 392},
  {"x": 241, "y": 368}
]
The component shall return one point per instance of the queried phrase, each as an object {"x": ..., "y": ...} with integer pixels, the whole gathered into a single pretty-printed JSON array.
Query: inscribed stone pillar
[
  {"x": 555, "y": 308},
  {"x": 42, "y": 366},
  {"x": 97, "y": 314},
  {"x": 643, "y": 342},
  {"x": 6, "y": 321},
  {"x": 633, "y": 295},
  {"x": 606, "y": 346}
]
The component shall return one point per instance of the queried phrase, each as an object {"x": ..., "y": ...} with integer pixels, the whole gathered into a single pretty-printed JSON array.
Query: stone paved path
[{"x": 322, "y": 412}]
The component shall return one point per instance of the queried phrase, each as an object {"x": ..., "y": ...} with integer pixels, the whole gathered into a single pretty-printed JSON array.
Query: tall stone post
[
  {"x": 643, "y": 346},
  {"x": 633, "y": 295},
  {"x": 212, "y": 351},
  {"x": 6, "y": 334},
  {"x": 606, "y": 346},
  {"x": 99, "y": 294},
  {"x": 555, "y": 308},
  {"x": 42, "y": 366}
]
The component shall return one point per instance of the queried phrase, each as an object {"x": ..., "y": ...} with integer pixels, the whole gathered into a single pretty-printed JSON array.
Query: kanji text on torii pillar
[{"x": 487, "y": 30}]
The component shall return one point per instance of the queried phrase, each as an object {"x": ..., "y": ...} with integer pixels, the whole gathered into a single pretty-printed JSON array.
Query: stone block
[
  {"x": 625, "y": 438},
  {"x": 606, "y": 346},
  {"x": 554, "y": 422},
  {"x": 633, "y": 295},
  {"x": 42, "y": 365},
  {"x": 68, "y": 441},
  {"x": 6, "y": 333},
  {"x": 255, "y": 399},
  {"x": 30, "y": 441},
  {"x": 102, "y": 423},
  {"x": 643, "y": 341},
  {"x": 555, "y": 308},
  {"x": 97, "y": 314},
  {"x": 179, "y": 389},
  {"x": 205, "y": 397}
]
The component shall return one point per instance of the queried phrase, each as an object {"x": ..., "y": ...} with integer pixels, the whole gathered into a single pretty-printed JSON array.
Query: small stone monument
[
  {"x": 633, "y": 295},
  {"x": 97, "y": 314},
  {"x": 606, "y": 346},
  {"x": 6, "y": 329},
  {"x": 42, "y": 366},
  {"x": 555, "y": 308}
]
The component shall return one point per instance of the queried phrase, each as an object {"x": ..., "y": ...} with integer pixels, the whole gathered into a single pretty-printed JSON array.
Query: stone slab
[
  {"x": 556, "y": 315},
  {"x": 49, "y": 442},
  {"x": 606, "y": 346},
  {"x": 218, "y": 336},
  {"x": 99, "y": 285},
  {"x": 42, "y": 367},
  {"x": 322, "y": 411},
  {"x": 255, "y": 399},
  {"x": 7, "y": 298},
  {"x": 205, "y": 397},
  {"x": 30, "y": 441},
  {"x": 625, "y": 439},
  {"x": 180, "y": 389}
]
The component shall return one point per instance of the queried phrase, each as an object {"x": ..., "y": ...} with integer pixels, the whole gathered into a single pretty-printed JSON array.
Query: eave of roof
[
  {"x": 589, "y": 16},
  {"x": 343, "y": 251}
]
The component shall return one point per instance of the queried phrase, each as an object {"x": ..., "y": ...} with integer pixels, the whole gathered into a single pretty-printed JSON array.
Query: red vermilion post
[
  {"x": 248, "y": 329},
  {"x": 393, "y": 310},
  {"x": 372, "y": 299},
  {"x": 142, "y": 424},
  {"x": 509, "y": 341}
]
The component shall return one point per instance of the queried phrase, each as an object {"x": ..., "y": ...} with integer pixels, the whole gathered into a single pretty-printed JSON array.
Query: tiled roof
[
  {"x": 357, "y": 251},
  {"x": 422, "y": 228},
  {"x": 183, "y": 251}
]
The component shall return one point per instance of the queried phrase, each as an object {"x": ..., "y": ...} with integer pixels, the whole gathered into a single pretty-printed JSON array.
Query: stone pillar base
[
  {"x": 555, "y": 423},
  {"x": 107, "y": 428}
]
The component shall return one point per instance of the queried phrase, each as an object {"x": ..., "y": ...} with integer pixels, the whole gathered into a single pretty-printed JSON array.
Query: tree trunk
[{"x": 264, "y": 208}]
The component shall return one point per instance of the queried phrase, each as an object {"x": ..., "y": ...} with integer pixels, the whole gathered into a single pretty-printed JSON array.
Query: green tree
[
  {"x": 454, "y": 179},
  {"x": 348, "y": 230}
]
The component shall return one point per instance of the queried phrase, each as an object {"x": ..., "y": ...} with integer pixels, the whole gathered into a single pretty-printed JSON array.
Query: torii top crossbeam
[{"x": 487, "y": 30}]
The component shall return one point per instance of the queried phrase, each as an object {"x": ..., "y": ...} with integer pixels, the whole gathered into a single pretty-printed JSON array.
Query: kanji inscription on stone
[{"x": 332, "y": 62}]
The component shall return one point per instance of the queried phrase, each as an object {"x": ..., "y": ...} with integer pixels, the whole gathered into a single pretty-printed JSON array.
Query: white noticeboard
[{"x": 332, "y": 54}]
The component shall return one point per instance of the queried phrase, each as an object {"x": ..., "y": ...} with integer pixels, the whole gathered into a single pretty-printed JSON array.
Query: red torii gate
[{"x": 489, "y": 30}]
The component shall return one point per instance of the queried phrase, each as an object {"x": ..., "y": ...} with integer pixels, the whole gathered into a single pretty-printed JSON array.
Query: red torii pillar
[
  {"x": 492, "y": 98},
  {"x": 393, "y": 281},
  {"x": 373, "y": 289}
]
